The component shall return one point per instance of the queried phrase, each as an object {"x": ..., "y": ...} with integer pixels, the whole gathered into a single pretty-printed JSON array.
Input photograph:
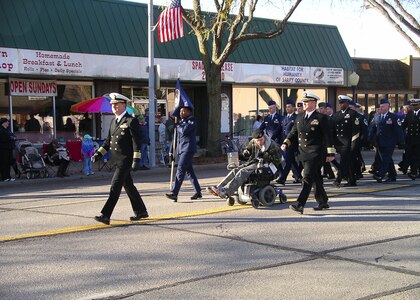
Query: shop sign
[
  {"x": 25, "y": 87},
  {"x": 53, "y": 63}
]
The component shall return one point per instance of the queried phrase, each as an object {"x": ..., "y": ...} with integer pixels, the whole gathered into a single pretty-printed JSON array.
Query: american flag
[{"x": 170, "y": 25}]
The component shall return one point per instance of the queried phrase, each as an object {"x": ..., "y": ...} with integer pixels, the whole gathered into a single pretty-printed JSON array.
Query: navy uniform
[
  {"x": 272, "y": 124},
  {"x": 290, "y": 153},
  {"x": 412, "y": 126},
  {"x": 363, "y": 121},
  {"x": 186, "y": 147},
  {"x": 387, "y": 130},
  {"x": 346, "y": 140},
  {"x": 313, "y": 136},
  {"x": 124, "y": 145}
]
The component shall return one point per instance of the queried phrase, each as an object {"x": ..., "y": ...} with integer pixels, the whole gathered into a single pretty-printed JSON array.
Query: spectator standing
[
  {"x": 69, "y": 126},
  {"x": 88, "y": 149},
  {"x": 7, "y": 144},
  {"x": 32, "y": 124},
  {"x": 85, "y": 125}
]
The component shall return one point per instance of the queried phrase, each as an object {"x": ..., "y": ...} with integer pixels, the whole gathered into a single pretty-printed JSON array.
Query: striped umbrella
[{"x": 100, "y": 104}]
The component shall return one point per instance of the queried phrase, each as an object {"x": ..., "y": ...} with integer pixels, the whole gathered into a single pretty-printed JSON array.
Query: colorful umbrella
[{"x": 100, "y": 104}]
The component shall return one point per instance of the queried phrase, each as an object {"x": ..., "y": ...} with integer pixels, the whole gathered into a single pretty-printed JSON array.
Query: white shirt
[{"x": 120, "y": 117}]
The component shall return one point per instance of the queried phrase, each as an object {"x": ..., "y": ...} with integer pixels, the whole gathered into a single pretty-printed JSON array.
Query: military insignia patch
[
  {"x": 315, "y": 122},
  {"x": 366, "y": 122},
  {"x": 389, "y": 121},
  {"x": 399, "y": 122},
  {"x": 123, "y": 126},
  {"x": 347, "y": 116},
  {"x": 356, "y": 121},
  {"x": 190, "y": 122}
]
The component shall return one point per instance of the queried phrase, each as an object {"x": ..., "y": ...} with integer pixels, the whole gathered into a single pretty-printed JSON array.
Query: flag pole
[
  {"x": 173, "y": 154},
  {"x": 150, "y": 42}
]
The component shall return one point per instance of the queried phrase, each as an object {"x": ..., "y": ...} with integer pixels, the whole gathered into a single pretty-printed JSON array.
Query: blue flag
[{"x": 181, "y": 100}]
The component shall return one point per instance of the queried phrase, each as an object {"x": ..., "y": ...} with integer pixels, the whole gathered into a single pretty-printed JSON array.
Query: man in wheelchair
[{"x": 261, "y": 150}]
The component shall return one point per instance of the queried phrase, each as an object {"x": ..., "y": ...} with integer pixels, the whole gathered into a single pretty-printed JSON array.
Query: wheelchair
[{"x": 258, "y": 190}]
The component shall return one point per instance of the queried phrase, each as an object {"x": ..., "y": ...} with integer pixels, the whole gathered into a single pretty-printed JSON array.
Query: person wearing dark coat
[
  {"x": 32, "y": 124},
  {"x": 346, "y": 140},
  {"x": 57, "y": 155},
  {"x": 186, "y": 147},
  {"x": 290, "y": 153},
  {"x": 144, "y": 143},
  {"x": 313, "y": 136},
  {"x": 412, "y": 126},
  {"x": 124, "y": 145},
  {"x": 7, "y": 144},
  {"x": 387, "y": 131}
]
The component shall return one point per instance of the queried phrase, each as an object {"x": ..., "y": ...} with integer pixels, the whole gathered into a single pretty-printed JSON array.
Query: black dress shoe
[
  {"x": 102, "y": 219},
  {"x": 297, "y": 208},
  {"x": 172, "y": 196},
  {"x": 299, "y": 180},
  {"x": 196, "y": 196},
  {"x": 282, "y": 182},
  {"x": 336, "y": 183},
  {"x": 377, "y": 178},
  {"x": 412, "y": 176},
  {"x": 348, "y": 184},
  {"x": 391, "y": 179},
  {"x": 322, "y": 206},
  {"x": 138, "y": 216}
]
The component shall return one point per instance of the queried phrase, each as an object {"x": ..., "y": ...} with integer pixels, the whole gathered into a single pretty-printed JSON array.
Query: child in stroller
[{"x": 31, "y": 163}]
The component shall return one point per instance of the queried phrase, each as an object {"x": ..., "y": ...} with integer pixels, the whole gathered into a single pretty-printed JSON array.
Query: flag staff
[{"x": 152, "y": 108}]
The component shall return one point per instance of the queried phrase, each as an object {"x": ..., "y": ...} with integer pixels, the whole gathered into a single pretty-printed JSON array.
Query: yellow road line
[{"x": 118, "y": 223}]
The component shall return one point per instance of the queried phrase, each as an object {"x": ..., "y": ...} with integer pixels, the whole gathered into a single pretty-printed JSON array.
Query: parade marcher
[
  {"x": 404, "y": 164},
  {"x": 412, "y": 126},
  {"x": 272, "y": 122},
  {"x": 186, "y": 146},
  {"x": 290, "y": 153},
  {"x": 124, "y": 146},
  {"x": 387, "y": 131},
  {"x": 363, "y": 121},
  {"x": 327, "y": 171},
  {"x": 313, "y": 135},
  {"x": 7, "y": 144},
  {"x": 346, "y": 136},
  {"x": 260, "y": 147}
]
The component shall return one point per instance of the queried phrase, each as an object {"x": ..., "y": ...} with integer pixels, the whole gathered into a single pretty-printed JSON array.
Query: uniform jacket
[
  {"x": 123, "y": 141},
  {"x": 388, "y": 132},
  {"x": 272, "y": 126},
  {"x": 185, "y": 136},
  {"x": 313, "y": 136},
  {"x": 270, "y": 153},
  {"x": 412, "y": 126},
  {"x": 346, "y": 131},
  {"x": 363, "y": 121},
  {"x": 287, "y": 125}
]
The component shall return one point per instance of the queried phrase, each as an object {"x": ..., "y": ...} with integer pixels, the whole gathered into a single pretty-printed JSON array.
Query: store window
[{"x": 33, "y": 117}]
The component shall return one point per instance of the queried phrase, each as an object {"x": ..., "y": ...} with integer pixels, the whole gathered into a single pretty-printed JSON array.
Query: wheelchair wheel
[
  {"x": 283, "y": 198},
  {"x": 267, "y": 195},
  {"x": 230, "y": 201}
]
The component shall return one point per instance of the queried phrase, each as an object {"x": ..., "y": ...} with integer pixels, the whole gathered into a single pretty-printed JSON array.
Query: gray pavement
[{"x": 365, "y": 247}]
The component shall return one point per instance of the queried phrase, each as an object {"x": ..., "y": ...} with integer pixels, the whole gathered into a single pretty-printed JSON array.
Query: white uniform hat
[
  {"x": 309, "y": 97},
  {"x": 118, "y": 98},
  {"x": 344, "y": 98},
  {"x": 414, "y": 101}
]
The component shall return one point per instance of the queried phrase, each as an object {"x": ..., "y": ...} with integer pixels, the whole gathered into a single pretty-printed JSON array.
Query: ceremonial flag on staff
[
  {"x": 181, "y": 100},
  {"x": 170, "y": 24}
]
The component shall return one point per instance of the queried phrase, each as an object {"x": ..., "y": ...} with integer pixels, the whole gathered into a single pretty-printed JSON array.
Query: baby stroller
[
  {"x": 32, "y": 163},
  {"x": 258, "y": 189}
]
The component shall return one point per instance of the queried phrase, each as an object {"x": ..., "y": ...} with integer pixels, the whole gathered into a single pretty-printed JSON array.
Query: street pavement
[{"x": 366, "y": 246}]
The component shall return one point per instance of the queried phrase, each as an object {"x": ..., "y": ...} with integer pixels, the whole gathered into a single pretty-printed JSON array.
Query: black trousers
[
  {"x": 312, "y": 178},
  {"x": 5, "y": 163},
  {"x": 413, "y": 157},
  {"x": 122, "y": 178},
  {"x": 347, "y": 165}
]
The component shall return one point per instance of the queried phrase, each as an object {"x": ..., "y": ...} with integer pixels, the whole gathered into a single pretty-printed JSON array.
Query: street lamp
[{"x": 354, "y": 81}]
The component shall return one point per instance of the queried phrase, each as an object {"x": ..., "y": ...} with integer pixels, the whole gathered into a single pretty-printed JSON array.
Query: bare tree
[
  {"x": 399, "y": 17},
  {"x": 218, "y": 36}
]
